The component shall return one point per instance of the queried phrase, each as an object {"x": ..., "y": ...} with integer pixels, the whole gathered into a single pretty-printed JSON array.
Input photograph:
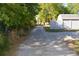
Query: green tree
[
  {"x": 18, "y": 15},
  {"x": 73, "y": 8},
  {"x": 51, "y": 11}
]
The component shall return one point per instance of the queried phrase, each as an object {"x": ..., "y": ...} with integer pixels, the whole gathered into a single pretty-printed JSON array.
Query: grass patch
[
  {"x": 76, "y": 46},
  {"x": 58, "y": 30}
]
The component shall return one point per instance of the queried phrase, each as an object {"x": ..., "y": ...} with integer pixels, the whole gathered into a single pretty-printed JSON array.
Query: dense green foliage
[
  {"x": 18, "y": 15},
  {"x": 4, "y": 43},
  {"x": 51, "y": 11},
  {"x": 15, "y": 16},
  {"x": 73, "y": 8}
]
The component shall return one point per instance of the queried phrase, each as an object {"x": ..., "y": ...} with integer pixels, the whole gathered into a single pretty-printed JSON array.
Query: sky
[{"x": 65, "y": 4}]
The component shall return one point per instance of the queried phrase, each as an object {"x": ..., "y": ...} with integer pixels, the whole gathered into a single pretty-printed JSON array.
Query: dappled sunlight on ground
[{"x": 43, "y": 43}]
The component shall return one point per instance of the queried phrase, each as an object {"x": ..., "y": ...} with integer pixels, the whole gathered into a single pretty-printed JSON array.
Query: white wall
[
  {"x": 75, "y": 24},
  {"x": 64, "y": 24},
  {"x": 60, "y": 22},
  {"x": 67, "y": 24}
]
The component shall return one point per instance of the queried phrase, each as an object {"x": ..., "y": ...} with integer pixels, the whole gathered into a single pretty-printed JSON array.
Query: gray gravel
[{"x": 41, "y": 43}]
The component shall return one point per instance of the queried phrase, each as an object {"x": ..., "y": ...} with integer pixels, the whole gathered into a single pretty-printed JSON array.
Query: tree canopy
[
  {"x": 18, "y": 15},
  {"x": 73, "y": 8},
  {"x": 51, "y": 11}
]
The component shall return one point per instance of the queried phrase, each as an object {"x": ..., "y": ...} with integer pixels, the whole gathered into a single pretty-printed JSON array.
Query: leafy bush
[
  {"x": 4, "y": 43},
  {"x": 15, "y": 17}
]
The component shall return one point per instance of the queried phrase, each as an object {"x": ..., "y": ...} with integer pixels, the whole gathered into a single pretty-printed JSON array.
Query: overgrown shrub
[
  {"x": 14, "y": 17},
  {"x": 4, "y": 43}
]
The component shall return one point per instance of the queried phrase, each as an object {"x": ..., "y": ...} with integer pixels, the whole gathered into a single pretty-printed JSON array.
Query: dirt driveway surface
[{"x": 41, "y": 43}]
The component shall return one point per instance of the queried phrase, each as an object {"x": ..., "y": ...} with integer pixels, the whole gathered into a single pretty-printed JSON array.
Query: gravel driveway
[{"x": 41, "y": 43}]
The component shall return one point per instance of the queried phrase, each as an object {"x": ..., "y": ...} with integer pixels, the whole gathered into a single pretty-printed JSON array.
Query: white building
[{"x": 67, "y": 21}]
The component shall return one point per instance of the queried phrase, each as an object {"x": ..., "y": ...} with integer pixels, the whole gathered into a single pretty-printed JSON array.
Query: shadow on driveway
[{"x": 41, "y": 43}]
